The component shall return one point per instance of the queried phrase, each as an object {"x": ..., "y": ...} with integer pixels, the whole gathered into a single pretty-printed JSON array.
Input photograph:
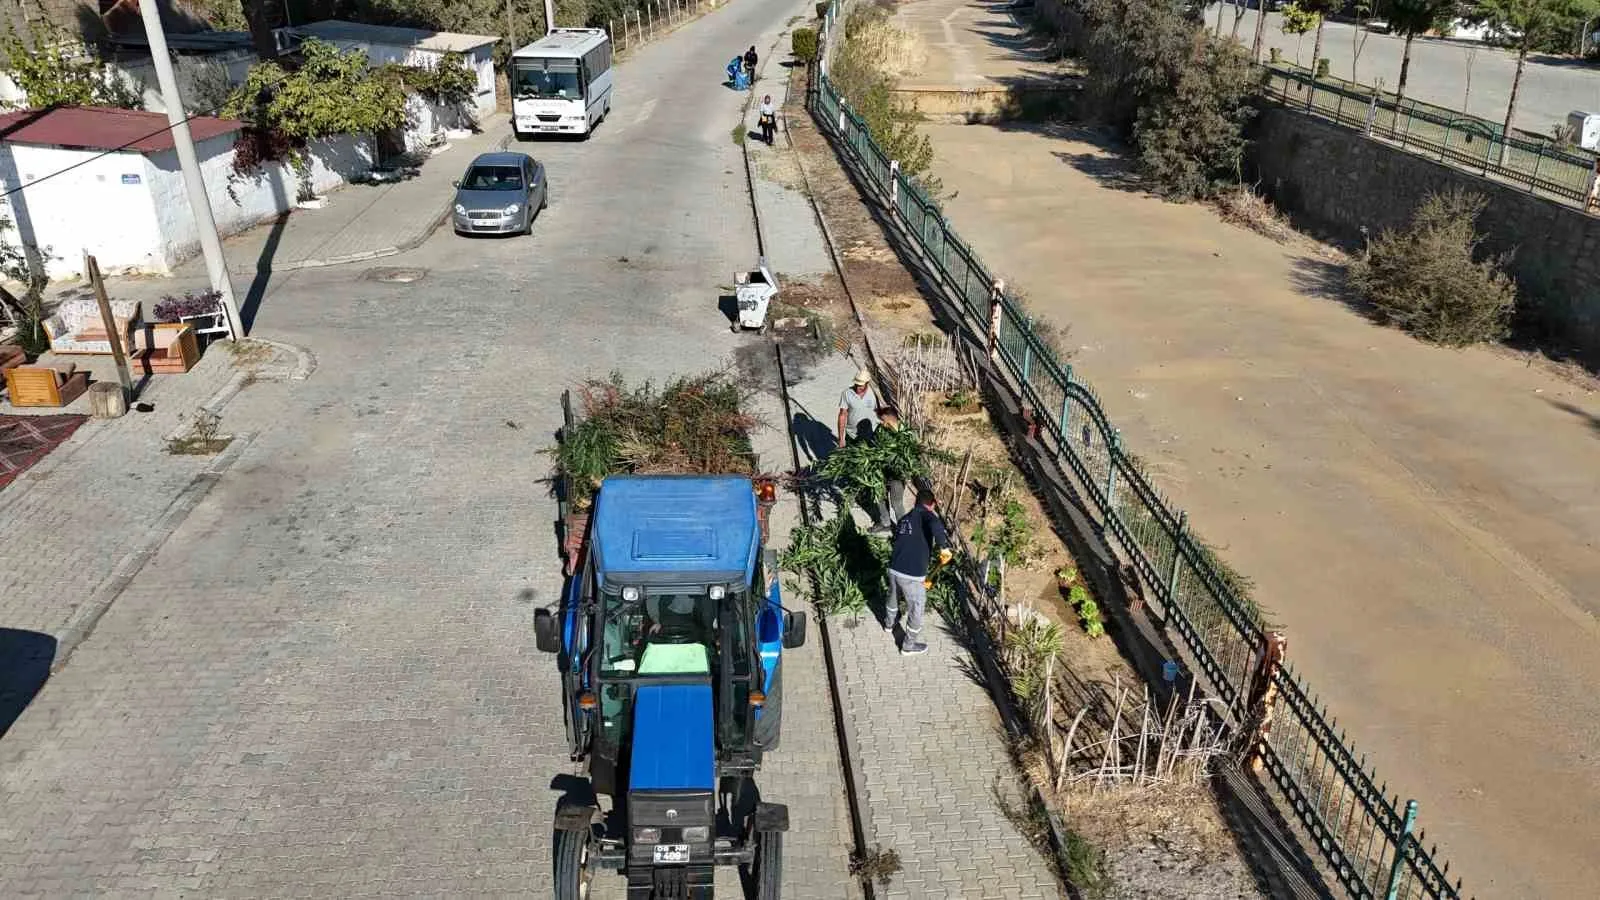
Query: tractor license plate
[{"x": 671, "y": 853}]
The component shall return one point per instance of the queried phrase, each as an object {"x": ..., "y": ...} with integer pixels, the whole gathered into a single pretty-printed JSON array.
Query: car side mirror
[
  {"x": 545, "y": 635},
  {"x": 456, "y": 183},
  {"x": 794, "y": 631}
]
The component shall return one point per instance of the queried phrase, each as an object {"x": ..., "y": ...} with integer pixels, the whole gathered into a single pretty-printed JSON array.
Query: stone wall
[{"x": 1336, "y": 181}]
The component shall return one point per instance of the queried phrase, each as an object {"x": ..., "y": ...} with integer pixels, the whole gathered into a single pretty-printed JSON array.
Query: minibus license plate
[{"x": 671, "y": 853}]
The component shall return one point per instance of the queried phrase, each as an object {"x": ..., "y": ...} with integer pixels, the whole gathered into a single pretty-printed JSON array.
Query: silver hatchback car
[{"x": 500, "y": 194}]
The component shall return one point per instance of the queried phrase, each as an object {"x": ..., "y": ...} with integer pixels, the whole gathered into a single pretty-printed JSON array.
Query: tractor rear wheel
[
  {"x": 767, "y": 868},
  {"x": 572, "y": 865}
]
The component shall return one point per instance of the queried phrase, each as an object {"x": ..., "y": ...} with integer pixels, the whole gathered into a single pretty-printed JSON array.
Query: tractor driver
[{"x": 677, "y": 616}]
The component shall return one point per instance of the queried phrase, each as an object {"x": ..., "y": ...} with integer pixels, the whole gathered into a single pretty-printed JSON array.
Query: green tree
[
  {"x": 1191, "y": 139},
  {"x": 330, "y": 93},
  {"x": 1299, "y": 22},
  {"x": 57, "y": 70},
  {"x": 1530, "y": 23},
  {"x": 1410, "y": 18},
  {"x": 1321, "y": 9}
]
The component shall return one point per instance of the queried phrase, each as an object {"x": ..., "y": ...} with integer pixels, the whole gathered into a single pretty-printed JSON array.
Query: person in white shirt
[
  {"x": 768, "y": 119},
  {"x": 858, "y": 409}
]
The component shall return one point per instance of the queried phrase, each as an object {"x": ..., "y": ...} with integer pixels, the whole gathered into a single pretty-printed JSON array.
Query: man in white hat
[{"x": 858, "y": 409}]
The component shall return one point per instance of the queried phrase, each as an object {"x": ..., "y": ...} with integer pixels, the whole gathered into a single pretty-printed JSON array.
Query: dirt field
[{"x": 1422, "y": 522}]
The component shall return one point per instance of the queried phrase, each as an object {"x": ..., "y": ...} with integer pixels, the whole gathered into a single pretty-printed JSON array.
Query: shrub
[
  {"x": 803, "y": 43},
  {"x": 822, "y": 9},
  {"x": 1191, "y": 138},
  {"x": 1429, "y": 278},
  {"x": 872, "y": 56},
  {"x": 1181, "y": 97}
]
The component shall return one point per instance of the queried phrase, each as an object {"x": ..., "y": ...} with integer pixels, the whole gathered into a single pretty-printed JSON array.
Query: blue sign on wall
[{"x": 130, "y": 179}]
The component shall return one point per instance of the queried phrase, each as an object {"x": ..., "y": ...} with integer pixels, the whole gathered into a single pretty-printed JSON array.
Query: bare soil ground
[{"x": 1190, "y": 853}]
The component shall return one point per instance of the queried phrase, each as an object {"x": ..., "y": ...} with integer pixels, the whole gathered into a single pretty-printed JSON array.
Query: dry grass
[
  {"x": 898, "y": 53},
  {"x": 1243, "y": 207}
]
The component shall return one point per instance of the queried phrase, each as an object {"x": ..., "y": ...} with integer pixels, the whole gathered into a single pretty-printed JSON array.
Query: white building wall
[
  {"x": 480, "y": 60},
  {"x": 103, "y": 206},
  {"x": 239, "y": 202}
]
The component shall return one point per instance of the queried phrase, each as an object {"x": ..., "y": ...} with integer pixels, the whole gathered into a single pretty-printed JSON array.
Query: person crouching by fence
[{"x": 917, "y": 534}]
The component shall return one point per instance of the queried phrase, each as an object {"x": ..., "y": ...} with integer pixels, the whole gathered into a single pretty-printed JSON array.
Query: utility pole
[
  {"x": 199, "y": 203},
  {"x": 549, "y": 16}
]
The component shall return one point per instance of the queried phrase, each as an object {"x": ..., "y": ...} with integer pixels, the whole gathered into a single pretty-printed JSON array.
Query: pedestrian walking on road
[
  {"x": 858, "y": 409},
  {"x": 917, "y": 534},
  {"x": 750, "y": 59}
]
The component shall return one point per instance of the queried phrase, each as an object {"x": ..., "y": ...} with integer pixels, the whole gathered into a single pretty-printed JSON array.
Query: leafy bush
[
  {"x": 1028, "y": 649},
  {"x": 60, "y": 71},
  {"x": 331, "y": 93},
  {"x": 692, "y": 425},
  {"x": 1429, "y": 278},
  {"x": 450, "y": 83},
  {"x": 803, "y": 44},
  {"x": 866, "y": 467},
  {"x": 849, "y": 567}
]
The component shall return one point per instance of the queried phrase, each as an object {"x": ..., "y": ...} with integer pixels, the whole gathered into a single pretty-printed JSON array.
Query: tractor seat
[{"x": 675, "y": 659}]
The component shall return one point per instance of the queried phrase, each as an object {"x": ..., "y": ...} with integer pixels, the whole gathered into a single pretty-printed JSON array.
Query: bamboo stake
[{"x": 1066, "y": 747}]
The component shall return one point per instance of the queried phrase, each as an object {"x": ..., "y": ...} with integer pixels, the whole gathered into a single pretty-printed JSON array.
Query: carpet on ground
[{"x": 24, "y": 440}]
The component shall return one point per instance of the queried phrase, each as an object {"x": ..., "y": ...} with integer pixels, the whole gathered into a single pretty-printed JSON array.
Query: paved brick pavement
[
  {"x": 324, "y": 682},
  {"x": 929, "y": 745}
]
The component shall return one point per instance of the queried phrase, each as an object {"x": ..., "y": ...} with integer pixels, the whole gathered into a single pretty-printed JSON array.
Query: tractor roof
[{"x": 675, "y": 529}]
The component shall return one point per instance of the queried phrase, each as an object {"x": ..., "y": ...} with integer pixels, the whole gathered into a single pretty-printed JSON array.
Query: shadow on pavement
[
  {"x": 258, "y": 285},
  {"x": 25, "y": 659}
]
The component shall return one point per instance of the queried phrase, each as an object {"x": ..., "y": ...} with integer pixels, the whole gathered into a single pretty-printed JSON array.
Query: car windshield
[
  {"x": 492, "y": 178},
  {"x": 669, "y": 633},
  {"x": 554, "y": 79}
]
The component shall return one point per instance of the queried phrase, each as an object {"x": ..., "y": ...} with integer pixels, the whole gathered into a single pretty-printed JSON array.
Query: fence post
[
  {"x": 996, "y": 291},
  {"x": 1027, "y": 353},
  {"x": 1263, "y": 695},
  {"x": 1372, "y": 113},
  {"x": 1177, "y": 556},
  {"x": 1534, "y": 181},
  {"x": 1397, "y": 868},
  {"x": 1065, "y": 407},
  {"x": 894, "y": 185},
  {"x": 1111, "y": 472}
]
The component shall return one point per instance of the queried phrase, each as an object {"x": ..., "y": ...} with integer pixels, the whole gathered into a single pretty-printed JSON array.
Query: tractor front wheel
[
  {"x": 767, "y": 868},
  {"x": 572, "y": 865}
]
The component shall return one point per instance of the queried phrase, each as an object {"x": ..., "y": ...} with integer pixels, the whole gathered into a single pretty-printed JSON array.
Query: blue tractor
[{"x": 670, "y": 641}]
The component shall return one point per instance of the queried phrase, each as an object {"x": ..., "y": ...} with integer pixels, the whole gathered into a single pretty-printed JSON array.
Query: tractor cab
[{"x": 669, "y": 640}]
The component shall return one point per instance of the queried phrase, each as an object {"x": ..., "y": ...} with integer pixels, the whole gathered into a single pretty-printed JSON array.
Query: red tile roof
[{"x": 99, "y": 128}]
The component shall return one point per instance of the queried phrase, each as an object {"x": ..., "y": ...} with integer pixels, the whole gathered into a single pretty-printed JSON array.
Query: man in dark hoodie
[{"x": 916, "y": 536}]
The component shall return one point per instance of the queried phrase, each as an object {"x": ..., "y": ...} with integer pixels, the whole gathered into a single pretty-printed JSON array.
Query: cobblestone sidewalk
[
  {"x": 82, "y": 520},
  {"x": 933, "y": 773}
]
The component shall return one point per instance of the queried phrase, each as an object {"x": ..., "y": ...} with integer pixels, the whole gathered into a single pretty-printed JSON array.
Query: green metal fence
[
  {"x": 1541, "y": 165},
  {"x": 1365, "y": 834}
]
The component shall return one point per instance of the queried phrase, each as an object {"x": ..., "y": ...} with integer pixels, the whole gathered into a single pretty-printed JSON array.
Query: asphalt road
[
  {"x": 1551, "y": 87},
  {"x": 324, "y": 683}
]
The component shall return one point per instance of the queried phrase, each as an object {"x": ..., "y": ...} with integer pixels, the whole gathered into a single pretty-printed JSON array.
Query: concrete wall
[
  {"x": 480, "y": 60},
  {"x": 1337, "y": 181},
  {"x": 240, "y": 202},
  {"x": 103, "y": 206}
]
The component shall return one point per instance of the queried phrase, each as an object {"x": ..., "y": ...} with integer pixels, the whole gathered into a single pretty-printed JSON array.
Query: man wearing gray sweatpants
[{"x": 915, "y": 536}]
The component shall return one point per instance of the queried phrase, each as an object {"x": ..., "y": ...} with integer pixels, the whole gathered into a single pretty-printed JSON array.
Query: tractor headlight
[
  {"x": 717, "y": 592},
  {"x": 647, "y": 835},
  {"x": 630, "y": 594},
  {"x": 697, "y": 834}
]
